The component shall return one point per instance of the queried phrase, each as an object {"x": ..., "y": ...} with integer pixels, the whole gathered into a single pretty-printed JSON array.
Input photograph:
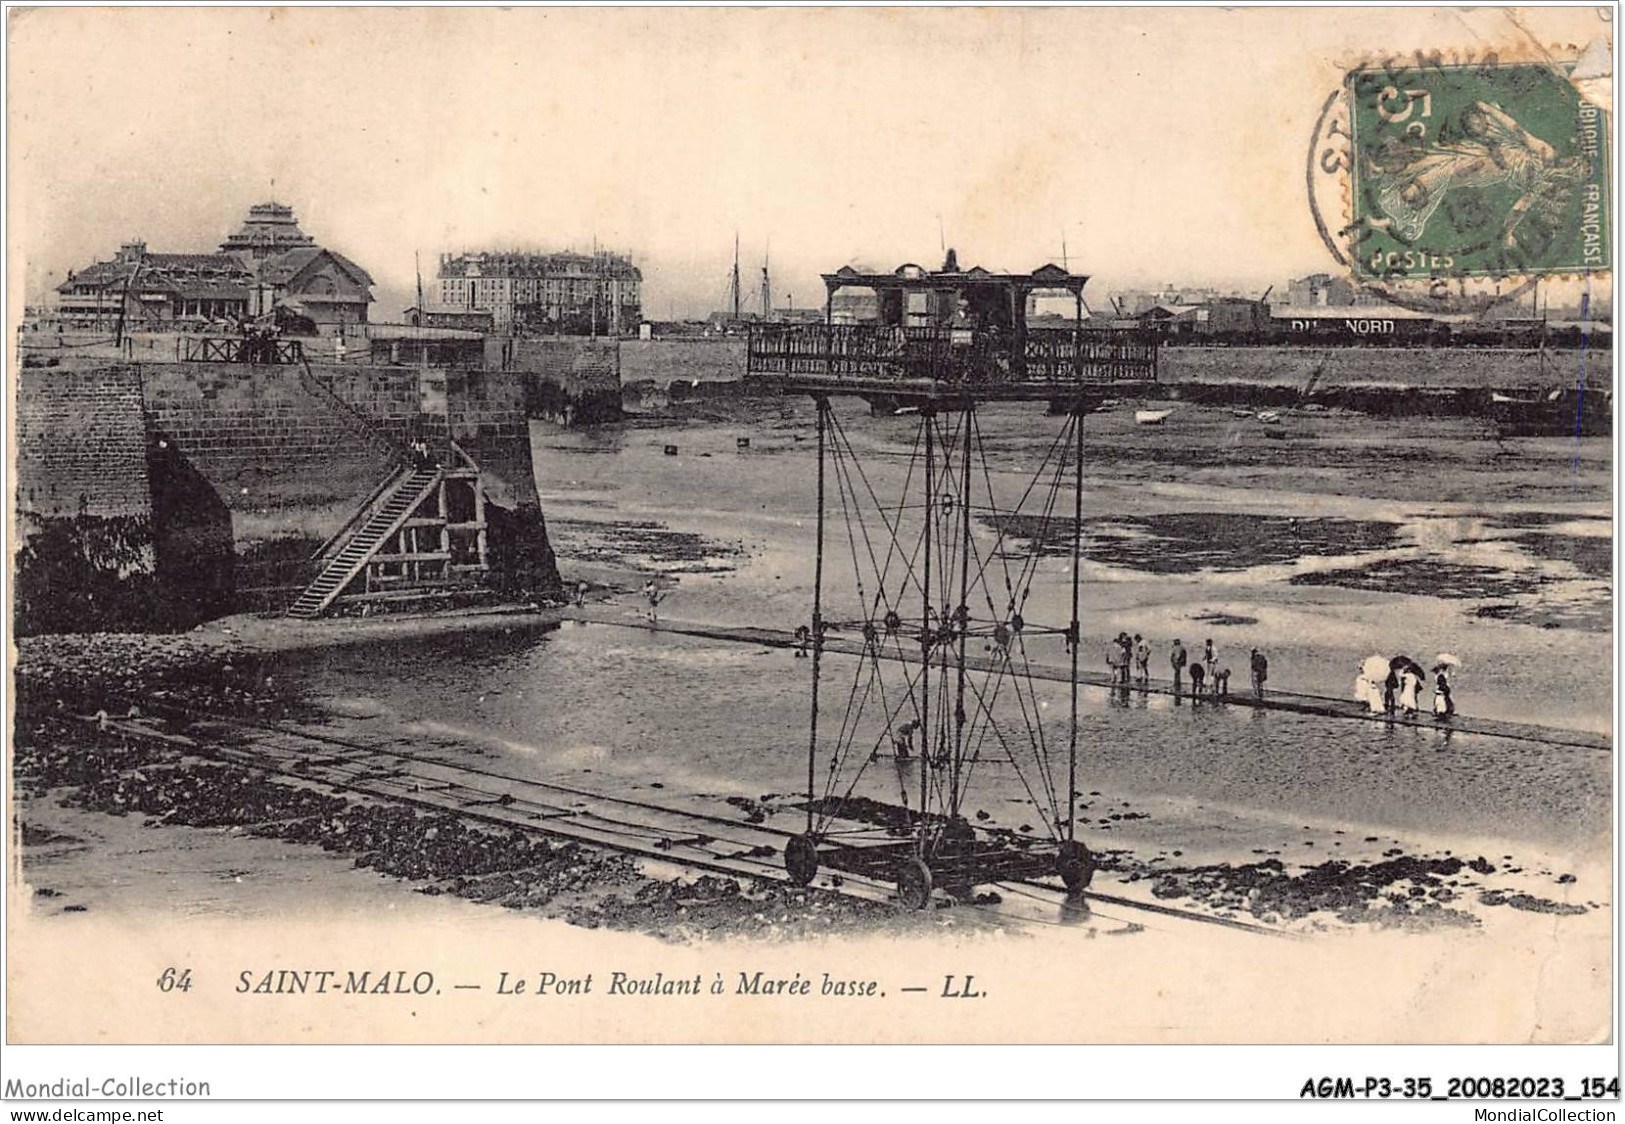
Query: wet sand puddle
[
  {"x": 1545, "y": 578},
  {"x": 643, "y": 545},
  {"x": 1318, "y": 569},
  {"x": 1315, "y": 548},
  {"x": 1245, "y": 813},
  {"x": 1196, "y": 800},
  {"x": 1188, "y": 542}
]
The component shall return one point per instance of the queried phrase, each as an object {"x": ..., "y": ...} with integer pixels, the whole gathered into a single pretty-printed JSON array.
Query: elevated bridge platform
[
  {"x": 948, "y": 366},
  {"x": 951, "y": 337}
]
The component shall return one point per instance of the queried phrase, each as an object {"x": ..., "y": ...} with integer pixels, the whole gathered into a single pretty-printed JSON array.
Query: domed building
[
  {"x": 291, "y": 270},
  {"x": 268, "y": 262},
  {"x": 270, "y": 229}
]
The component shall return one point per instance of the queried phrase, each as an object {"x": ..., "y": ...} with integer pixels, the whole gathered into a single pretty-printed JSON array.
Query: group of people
[
  {"x": 1126, "y": 652},
  {"x": 653, "y": 592},
  {"x": 1129, "y": 658},
  {"x": 1395, "y": 686},
  {"x": 260, "y": 343}
]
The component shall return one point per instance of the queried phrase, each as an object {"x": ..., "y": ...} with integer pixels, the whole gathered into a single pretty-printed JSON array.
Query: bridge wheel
[
  {"x": 955, "y": 855},
  {"x": 1075, "y": 865},
  {"x": 914, "y": 884},
  {"x": 801, "y": 859}
]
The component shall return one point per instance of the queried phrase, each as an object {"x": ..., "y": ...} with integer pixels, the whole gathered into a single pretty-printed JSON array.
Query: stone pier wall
[
  {"x": 571, "y": 381},
  {"x": 152, "y": 495}
]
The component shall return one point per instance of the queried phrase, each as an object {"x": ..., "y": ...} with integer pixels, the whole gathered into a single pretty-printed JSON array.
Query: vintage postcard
[{"x": 797, "y": 526}]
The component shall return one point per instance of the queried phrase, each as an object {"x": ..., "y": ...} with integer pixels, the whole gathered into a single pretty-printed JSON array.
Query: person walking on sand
[
  {"x": 1368, "y": 685},
  {"x": 1443, "y": 705},
  {"x": 1126, "y": 659},
  {"x": 1196, "y": 681},
  {"x": 903, "y": 755},
  {"x": 1210, "y": 659},
  {"x": 1142, "y": 659},
  {"x": 1221, "y": 683},
  {"x": 1409, "y": 684},
  {"x": 581, "y": 594},
  {"x": 1114, "y": 661},
  {"x": 1369, "y": 693},
  {"x": 1176, "y": 660},
  {"x": 651, "y": 590},
  {"x": 903, "y": 742},
  {"x": 1261, "y": 672}
]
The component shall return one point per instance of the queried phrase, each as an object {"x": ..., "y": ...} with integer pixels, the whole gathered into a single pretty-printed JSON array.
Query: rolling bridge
[{"x": 919, "y": 596}]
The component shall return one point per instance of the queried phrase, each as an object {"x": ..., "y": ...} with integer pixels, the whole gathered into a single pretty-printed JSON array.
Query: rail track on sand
[{"x": 688, "y": 831}]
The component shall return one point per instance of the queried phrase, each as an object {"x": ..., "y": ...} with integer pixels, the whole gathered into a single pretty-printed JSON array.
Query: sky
[{"x": 1154, "y": 144}]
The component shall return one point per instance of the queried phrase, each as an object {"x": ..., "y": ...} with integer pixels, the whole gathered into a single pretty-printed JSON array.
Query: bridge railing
[
  {"x": 240, "y": 349},
  {"x": 1068, "y": 355},
  {"x": 875, "y": 352}
]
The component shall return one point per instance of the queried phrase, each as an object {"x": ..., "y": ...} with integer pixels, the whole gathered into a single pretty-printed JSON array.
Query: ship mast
[
  {"x": 767, "y": 290},
  {"x": 734, "y": 287}
]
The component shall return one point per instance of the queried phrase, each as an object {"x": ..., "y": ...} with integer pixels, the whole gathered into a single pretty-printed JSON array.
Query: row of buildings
[
  {"x": 1317, "y": 290},
  {"x": 1316, "y": 297},
  {"x": 266, "y": 264},
  {"x": 269, "y": 265}
]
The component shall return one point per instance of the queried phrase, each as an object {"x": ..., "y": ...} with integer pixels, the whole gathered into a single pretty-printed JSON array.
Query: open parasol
[{"x": 1401, "y": 663}]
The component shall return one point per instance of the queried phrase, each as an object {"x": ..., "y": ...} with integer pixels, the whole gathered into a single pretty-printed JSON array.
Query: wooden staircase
[{"x": 347, "y": 554}]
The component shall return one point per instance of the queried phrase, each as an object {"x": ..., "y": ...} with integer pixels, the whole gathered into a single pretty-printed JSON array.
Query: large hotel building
[{"x": 565, "y": 293}]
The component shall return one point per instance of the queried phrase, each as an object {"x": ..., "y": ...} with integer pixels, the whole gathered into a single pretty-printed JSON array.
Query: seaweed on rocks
[
  {"x": 200, "y": 795},
  {"x": 1348, "y": 890},
  {"x": 1528, "y": 903},
  {"x": 58, "y": 752},
  {"x": 86, "y": 672},
  {"x": 1187, "y": 542}
]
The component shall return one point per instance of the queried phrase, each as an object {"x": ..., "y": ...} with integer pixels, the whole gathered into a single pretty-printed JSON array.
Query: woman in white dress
[
  {"x": 1409, "y": 684},
  {"x": 1368, "y": 687}
]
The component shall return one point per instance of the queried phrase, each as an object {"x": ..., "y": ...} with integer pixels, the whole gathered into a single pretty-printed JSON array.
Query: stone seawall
[
  {"x": 151, "y": 495},
  {"x": 568, "y": 380},
  {"x": 1522, "y": 391},
  {"x": 82, "y": 436},
  {"x": 488, "y": 420},
  {"x": 114, "y": 528},
  {"x": 662, "y": 363},
  {"x": 84, "y": 501},
  {"x": 1420, "y": 367},
  {"x": 267, "y": 434}
]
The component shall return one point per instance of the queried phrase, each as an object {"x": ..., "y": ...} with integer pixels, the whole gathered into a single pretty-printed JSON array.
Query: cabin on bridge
[{"x": 950, "y": 334}]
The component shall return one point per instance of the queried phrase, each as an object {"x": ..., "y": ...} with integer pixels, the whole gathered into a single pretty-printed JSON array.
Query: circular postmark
[{"x": 1452, "y": 188}]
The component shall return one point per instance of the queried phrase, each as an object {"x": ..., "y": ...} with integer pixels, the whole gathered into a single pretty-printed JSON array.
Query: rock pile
[
  {"x": 1404, "y": 891},
  {"x": 117, "y": 774},
  {"x": 86, "y": 672}
]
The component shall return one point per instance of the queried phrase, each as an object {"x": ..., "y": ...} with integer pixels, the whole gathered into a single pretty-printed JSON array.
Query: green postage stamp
[{"x": 1478, "y": 170}]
